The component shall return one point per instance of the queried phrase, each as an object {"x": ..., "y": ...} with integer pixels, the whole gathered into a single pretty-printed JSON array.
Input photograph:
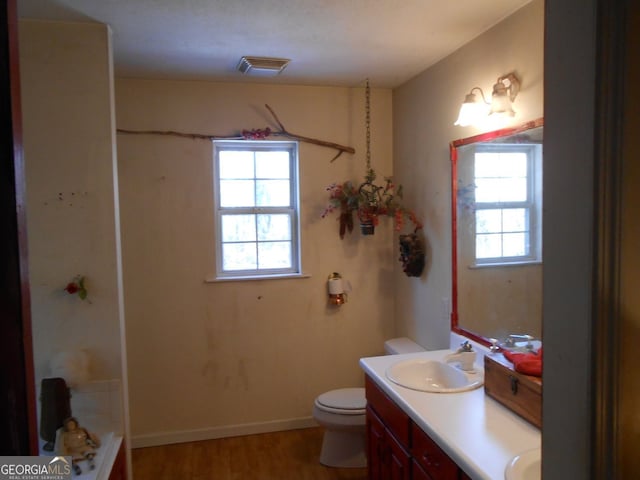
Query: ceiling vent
[{"x": 262, "y": 65}]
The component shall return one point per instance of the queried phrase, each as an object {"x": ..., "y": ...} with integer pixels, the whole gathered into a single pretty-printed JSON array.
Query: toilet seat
[{"x": 343, "y": 401}]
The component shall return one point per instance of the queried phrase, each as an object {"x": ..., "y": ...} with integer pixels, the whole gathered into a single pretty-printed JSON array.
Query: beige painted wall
[
  {"x": 205, "y": 358},
  {"x": 67, "y": 109},
  {"x": 424, "y": 110}
]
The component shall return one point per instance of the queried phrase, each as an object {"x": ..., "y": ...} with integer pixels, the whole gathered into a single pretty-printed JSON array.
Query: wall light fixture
[
  {"x": 504, "y": 93},
  {"x": 472, "y": 110}
]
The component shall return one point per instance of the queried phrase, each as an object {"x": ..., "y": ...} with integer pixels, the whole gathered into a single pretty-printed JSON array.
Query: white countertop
[{"x": 478, "y": 433}]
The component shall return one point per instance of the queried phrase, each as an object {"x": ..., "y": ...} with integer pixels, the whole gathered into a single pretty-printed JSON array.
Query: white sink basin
[
  {"x": 526, "y": 466},
  {"x": 433, "y": 376}
]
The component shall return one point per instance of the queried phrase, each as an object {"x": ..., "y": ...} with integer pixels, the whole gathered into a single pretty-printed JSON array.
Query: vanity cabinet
[
  {"x": 388, "y": 459},
  {"x": 397, "y": 448},
  {"x": 430, "y": 457}
]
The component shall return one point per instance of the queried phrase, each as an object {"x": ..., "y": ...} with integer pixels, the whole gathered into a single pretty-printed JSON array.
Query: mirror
[{"x": 496, "y": 218}]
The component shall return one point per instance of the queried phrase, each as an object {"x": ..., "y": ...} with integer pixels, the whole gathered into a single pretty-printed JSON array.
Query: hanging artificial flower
[
  {"x": 256, "y": 134},
  {"x": 343, "y": 197},
  {"x": 76, "y": 286}
]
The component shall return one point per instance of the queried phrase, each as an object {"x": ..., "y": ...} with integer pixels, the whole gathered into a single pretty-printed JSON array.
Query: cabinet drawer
[
  {"x": 431, "y": 457},
  {"x": 394, "y": 418}
]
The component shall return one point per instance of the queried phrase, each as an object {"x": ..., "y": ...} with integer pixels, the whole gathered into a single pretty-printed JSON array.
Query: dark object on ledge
[
  {"x": 55, "y": 408},
  {"x": 412, "y": 254}
]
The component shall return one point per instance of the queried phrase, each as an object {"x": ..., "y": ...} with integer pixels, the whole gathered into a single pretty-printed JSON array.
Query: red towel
[{"x": 527, "y": 363}]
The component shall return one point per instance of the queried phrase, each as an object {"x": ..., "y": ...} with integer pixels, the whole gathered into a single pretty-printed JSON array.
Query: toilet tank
[{"x": 395, "y": 346}]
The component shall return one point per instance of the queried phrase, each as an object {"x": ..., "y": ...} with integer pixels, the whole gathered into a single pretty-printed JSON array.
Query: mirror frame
[{"x": 453, "y": 155}]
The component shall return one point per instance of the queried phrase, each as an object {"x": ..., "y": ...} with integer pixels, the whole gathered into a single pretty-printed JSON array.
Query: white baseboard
[{"x": 166, "y": 438}]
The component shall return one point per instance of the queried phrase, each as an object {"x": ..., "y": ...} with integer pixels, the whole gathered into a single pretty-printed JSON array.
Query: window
[
  {"x": 508, "y": 201},
  {"x": 256, "y": 208}
]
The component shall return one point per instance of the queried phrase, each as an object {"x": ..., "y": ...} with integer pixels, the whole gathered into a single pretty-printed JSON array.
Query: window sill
[
  {"x": 510, "y": 264},
  {"x": 214, "y": 279}
]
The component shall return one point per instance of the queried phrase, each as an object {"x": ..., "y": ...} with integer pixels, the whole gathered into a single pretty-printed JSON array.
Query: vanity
[
  {"x": 398, "y": 447},
  {"x": 438, "y": 436},
  {"x": 496, "y": 297}
]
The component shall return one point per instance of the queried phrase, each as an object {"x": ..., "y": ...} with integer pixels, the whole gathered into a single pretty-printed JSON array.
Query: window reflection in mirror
[{"x": 497, "y": 235}]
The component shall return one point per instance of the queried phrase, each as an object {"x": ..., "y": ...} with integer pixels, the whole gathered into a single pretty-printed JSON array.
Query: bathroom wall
[
  {"x": 67, "y": 104},
  {"x": 72, "y": 212},
  {"x": 214, "y": 359},
  {"x": 424, "y": 110}
]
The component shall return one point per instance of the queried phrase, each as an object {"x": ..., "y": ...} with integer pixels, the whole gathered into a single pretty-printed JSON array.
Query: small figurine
[{"x": 78, "y": 443}]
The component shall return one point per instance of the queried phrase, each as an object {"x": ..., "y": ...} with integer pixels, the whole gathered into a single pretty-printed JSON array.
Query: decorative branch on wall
[{"x": 259, "y": 134}]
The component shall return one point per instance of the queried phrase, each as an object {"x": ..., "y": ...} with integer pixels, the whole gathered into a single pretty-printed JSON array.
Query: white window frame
[
  {"x": 292, "y": 210},
  {"x": 533, "y": 205}
]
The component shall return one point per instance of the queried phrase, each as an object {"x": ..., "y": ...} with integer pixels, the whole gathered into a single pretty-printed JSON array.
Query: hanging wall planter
[
  {"x": 369, "y": 200},
  {"x": 367, "y": 227},
  {"x": 412, "y": 254}
]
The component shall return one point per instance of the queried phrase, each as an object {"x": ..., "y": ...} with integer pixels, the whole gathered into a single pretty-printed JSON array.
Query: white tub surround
[
  {"x": 97, "y": 405},
  {"x": 479, "y": 435},
  {"x": 104, "y": 460}
]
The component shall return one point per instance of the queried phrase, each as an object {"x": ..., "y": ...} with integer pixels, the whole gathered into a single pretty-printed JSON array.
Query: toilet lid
[{"x": 350, "y": 399}]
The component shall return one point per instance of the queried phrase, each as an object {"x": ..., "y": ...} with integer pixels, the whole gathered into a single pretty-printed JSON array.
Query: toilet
[{"x": 342, "y": 414}]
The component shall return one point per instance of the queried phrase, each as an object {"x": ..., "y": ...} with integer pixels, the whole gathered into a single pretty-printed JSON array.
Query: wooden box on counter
[{"x": 522, "y": 394}]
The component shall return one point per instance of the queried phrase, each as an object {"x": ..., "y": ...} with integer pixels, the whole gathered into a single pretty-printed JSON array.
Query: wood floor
[{"x": 291, "y": 455}]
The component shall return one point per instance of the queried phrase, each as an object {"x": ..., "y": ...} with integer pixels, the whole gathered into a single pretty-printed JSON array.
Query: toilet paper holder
[{"x": 337, "y": 289}]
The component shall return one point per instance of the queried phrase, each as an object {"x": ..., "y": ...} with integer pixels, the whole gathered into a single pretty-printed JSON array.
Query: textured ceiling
[{"x": 329, "y": 42}]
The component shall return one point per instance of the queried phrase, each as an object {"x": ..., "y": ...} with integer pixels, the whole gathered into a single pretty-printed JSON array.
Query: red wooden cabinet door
[
  {"x": 387, "y": 459},
  {"x": 417, "y": 473},
  {"x": 399, "y": 461},
  {"x": 375, "y": 446},
  {"x": 431, "y": 458}
]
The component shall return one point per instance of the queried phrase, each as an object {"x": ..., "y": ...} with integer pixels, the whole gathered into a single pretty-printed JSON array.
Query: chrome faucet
[
  {"x": 465, "y": 356},
  {"x": 511, "y": 340}
]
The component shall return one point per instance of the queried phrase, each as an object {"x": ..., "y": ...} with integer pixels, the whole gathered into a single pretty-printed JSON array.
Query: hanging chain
[
  {"x": 368, "y": 124},
  {"x": 369, "y": 190}
]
